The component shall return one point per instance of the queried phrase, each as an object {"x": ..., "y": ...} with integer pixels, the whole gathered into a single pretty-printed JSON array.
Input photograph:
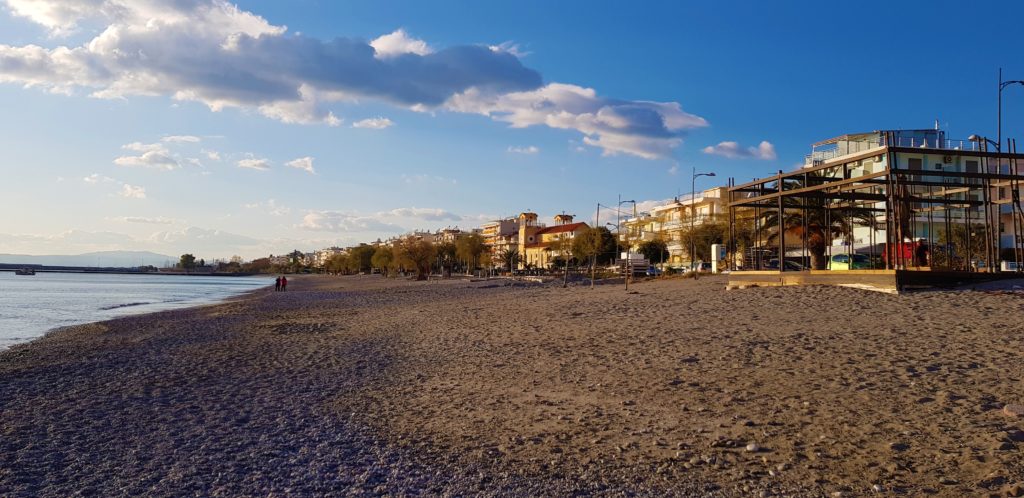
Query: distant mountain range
[{"x": 103, "y": 259}]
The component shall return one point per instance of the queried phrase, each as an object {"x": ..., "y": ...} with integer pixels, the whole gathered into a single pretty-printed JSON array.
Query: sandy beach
[{"x": 364, "y": 385}]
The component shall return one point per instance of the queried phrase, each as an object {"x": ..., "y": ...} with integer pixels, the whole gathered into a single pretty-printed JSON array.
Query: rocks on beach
[{"x": 362, "y": 385}]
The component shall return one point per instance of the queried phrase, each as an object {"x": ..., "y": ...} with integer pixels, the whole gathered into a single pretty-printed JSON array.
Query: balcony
[{"x": 830, "y": 151}]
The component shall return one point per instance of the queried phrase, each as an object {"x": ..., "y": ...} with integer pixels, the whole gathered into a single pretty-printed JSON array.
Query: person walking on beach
[
  {"x": 277, "y": 284},
  {"x": 284, "y": 284}
]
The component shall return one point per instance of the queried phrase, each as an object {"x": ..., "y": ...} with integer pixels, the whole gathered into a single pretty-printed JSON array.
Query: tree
[
  {"x": 509, "y": 258},
  {"x": 202, "y": 262},
  {"x": 337, "y": 263},
  {"x": 383, "y": 258},
  {"x": 418, "y": 254},
  {"x": 958, "y": 242},
  {"x": 446, "y": 257},
  {"x": 259, "y": 265},
  {"x": 654, "y": 250},
  {"x": 595, "y": 243},
  {"x": 187, "y": 262},
  {"x": 822, "y": 224},
  {"x": 469, "y": 249},
  {"x": 360, "y": 258}
]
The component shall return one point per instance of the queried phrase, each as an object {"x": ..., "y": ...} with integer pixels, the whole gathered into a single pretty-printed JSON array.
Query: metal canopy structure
[{"x": 957, "y": 197}]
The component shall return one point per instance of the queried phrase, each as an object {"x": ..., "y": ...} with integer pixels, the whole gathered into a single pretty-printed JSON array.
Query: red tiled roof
[{"x": 568, "y": 227}]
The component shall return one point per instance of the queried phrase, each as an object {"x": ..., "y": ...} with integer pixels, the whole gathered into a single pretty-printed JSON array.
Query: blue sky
[{"x": 192, "y": 125}]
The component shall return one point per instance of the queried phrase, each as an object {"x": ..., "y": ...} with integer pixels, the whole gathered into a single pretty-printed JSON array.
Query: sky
[{"x": 259, "y": 127}]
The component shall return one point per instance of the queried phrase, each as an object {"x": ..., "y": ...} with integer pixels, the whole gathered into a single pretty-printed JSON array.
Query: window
[
  {"x": 914, "y": 163},
  {"x": 972, "y": 166}
]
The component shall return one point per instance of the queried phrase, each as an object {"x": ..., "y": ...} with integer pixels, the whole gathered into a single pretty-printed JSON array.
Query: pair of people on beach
[{"x": 281, "y": 284}]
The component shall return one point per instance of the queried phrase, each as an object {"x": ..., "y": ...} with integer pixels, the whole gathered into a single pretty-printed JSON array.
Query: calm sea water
[{"x": 32, "y": 305}]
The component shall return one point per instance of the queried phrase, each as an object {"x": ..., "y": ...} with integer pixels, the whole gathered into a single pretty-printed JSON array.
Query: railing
[{"x": 855, "y": 147}]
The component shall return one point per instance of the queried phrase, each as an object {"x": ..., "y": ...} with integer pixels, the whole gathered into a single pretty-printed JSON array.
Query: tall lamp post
[
  {"x": 618, "y": 234},
  {"x": 693, "y": 215},
  {"x": 1003, "y": 85}
]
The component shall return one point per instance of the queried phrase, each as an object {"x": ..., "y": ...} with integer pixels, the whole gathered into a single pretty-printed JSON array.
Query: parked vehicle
[
  {"x": 25, "y": 271},
  {"x": 849, "y": 262},
  {"x": 773, "y": 264},
  {"x": 653, "y": 271}
]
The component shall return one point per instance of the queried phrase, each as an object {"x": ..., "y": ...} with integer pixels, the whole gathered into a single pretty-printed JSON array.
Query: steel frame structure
[{"x": 901, "y": 201}]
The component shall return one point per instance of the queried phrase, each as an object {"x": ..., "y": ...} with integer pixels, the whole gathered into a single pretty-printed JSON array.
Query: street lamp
[
  {"x": 979, "y": 139},
  {"x": 693, "y": 215},
  {"x": 1002, "y": 85},
  {"x": 618, "y": 214}
]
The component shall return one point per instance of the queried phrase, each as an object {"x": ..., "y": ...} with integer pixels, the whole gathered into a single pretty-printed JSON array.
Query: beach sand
[{"x": 366, "y": 385}]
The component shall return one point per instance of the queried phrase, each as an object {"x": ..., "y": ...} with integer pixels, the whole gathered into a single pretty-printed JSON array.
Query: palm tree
[
  {"x": 509, "y": 257},
  {"x": 823, "y": 223}
]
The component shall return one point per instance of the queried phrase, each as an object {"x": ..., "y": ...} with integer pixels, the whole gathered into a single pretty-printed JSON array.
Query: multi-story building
[
  {"x": 320, "y": 257},
  {"x": 670, "y": 222},
  {"x": 500, "y": 236}
]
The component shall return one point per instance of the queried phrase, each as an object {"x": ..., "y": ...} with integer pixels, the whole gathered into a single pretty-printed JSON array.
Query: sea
[{"x": 32, "y": 305}]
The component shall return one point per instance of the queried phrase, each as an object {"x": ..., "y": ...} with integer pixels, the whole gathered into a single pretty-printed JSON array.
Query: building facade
[
  {"x": 540, "y": 246},
  {"x": 670, "y": 222}
]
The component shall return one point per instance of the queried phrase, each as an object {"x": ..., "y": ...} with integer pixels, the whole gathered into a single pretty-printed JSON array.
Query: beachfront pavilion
[{"x": 889, "y": 210}]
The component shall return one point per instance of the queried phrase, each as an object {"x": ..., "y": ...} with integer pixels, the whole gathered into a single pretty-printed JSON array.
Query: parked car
[
  {"x": 773, "y": 264},
  {"x": 843, "y": 262},
  {"x": 653, "y": 271}
]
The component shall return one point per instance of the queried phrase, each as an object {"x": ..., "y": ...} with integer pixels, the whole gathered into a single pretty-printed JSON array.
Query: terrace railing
[{"x": 832, "y": 151}]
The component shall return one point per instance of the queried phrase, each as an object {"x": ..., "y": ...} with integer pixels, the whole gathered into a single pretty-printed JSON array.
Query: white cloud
[
  {"x": 271, "y": 206},
  {"x": 428, "y": 214},
  {"x": 765, "y": 151},
  {"x": 674, "y": 169},
  {"x": 398, "y": 43},
  {"x": 133, "y": 192},
  {"x": 154, "y": 156},
  {"x": 646, "y": 129},
  {"x": 201, "y": 237},
  {"x": 532, "y": 149},
  {"x": 374, "y": 123},
  {"x": 97, "y": 178},
  {"x": 181, "y": 139},
  {"x": 509, "y": 47},
  {"x": 212, "y": 52},
  {"x": 145, "y": 220},
  {"x": 212, "y": 154},
  {"x": 303, "y": 163},
  {"x": 336, "y": 221},
  {"x": 254, "y": 163}
]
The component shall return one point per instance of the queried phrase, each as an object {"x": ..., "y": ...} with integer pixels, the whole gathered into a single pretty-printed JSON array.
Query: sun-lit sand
[{"x": 366, "y": 385}]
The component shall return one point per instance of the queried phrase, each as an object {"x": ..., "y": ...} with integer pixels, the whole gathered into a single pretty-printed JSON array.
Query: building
[
  {"x": 540, "y": 246},
  {"x": 889, "y": 201},
  {"x": 671, "y": 222},
  {"x": 500, "y": 236},
  {"x": 320, "y": 257}
]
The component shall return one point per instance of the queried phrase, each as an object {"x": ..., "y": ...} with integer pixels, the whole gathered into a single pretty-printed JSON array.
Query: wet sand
[{"x": 361, "y": 385}]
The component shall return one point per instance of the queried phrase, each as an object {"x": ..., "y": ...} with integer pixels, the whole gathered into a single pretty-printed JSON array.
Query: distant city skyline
[{"x": 258, "y": 127}]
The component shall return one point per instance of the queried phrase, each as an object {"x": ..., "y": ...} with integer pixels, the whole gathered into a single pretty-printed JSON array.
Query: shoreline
[
  {"x": 171, "y": 306},
  {"x": 366, "y": 385}
]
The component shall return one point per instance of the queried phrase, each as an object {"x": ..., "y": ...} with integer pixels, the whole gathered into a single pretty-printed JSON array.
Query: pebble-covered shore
[{"x": 367, "y": 386}]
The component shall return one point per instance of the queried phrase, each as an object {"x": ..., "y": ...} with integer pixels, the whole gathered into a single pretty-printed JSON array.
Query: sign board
[{"x": 718, "y": 257}]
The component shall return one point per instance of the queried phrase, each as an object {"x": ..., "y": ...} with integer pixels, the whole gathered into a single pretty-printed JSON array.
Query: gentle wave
[
  {"x": 30, "y": 306},
  {"x": 126, "y": 305}
]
